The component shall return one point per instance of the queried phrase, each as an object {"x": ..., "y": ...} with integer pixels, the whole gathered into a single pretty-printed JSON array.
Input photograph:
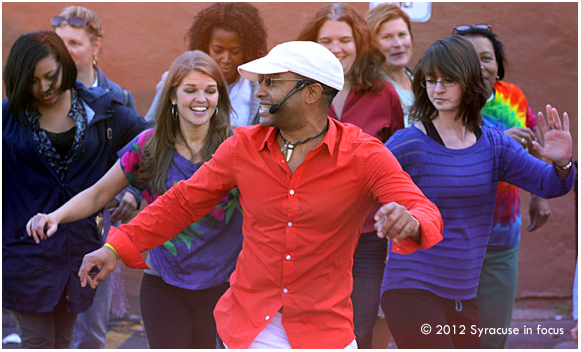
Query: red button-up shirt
[
  {"x": 378, "y": 113},
  {"x": 300, "y": 229}
]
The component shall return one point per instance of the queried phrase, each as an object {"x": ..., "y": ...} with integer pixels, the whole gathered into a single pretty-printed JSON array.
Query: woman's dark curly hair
[{"x": 238, "y": 17}]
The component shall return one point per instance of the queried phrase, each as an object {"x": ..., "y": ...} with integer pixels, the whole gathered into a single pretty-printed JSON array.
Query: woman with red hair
[{"x": 370, "y": 102}]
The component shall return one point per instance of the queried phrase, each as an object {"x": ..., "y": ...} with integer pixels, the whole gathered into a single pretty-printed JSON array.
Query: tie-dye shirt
[{"x": 508, "y": 108}]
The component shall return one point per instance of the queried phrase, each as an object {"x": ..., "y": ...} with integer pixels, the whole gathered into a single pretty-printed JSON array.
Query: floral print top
[
  {"x": 204, "y": 254},
  {"x": 78, "y": 114}
]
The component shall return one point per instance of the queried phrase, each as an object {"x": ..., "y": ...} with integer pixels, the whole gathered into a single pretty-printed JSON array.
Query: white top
[
  {"x": 406, "y": 98},
  {"x": 240, "y": 93}
]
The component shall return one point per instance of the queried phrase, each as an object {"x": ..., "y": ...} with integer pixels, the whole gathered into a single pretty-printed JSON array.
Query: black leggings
[
  {"x": 420, "y": 319},
  {"x": 178, "y": 318}
]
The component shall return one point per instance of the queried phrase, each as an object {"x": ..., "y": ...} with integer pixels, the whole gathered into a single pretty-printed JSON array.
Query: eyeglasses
[
  {"x": 431, "y": 83},
  {"x": 465, "y": 27},
  {"x": 75, "y": 22},
  {"x": 269, "y": 81}
]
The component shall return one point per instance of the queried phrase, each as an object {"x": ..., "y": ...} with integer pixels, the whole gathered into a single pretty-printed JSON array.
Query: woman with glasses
[
  {"x": 58, "y": 138},
  {"x": 188, "y": 274},
  {"x": 392, "y": 29},
  {"x": 232, "y": 33},
  {"x": 429, "y": 296},
  {"x": 506, "y": 110},
  {"x": 370, "y": 102}
]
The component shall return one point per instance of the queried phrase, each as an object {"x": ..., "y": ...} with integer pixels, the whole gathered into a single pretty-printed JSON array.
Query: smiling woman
[
  {"x": 232, "y": 34},
  {"x": 190, "y": 272},
  {"x": 392, "y": 28}
]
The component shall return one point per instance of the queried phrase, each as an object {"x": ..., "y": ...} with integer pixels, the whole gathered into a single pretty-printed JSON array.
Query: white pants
[{"x": 274, "y": 336}]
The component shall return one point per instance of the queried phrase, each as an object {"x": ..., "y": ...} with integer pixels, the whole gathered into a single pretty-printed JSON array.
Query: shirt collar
[{"x": 329, "y": 140}]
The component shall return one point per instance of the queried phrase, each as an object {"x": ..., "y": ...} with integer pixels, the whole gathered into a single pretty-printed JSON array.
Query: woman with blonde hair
[
  {"x": 188, "y": 274},
  {"x": 370, "y": 102},
  {"x": 82, "y": 33}
]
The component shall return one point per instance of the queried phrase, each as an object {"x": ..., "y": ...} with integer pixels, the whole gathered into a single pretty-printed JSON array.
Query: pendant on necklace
[{"x": 289, "y": 152}]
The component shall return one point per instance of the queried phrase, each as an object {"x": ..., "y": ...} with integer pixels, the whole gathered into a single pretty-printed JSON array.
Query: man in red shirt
[{"x": 306, "y": 184}]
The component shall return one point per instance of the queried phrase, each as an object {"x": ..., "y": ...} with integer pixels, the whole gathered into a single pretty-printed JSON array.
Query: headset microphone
[
  {"x": 300, "y": 85},
  {"x": 274, "y": 108}
]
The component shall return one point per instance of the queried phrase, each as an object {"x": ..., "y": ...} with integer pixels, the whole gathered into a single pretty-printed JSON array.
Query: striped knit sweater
[{"x": 462, "y": 183}]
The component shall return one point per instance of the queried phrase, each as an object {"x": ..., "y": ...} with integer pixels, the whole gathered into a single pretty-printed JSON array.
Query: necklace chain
[{"x": 289, "y": 147}]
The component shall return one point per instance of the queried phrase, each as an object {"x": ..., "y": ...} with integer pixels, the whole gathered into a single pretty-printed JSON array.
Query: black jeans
[
  {"x": 178, "y": 318},
  {"x": 420, "y": 319},
  {"x": 368, "y": 266}
]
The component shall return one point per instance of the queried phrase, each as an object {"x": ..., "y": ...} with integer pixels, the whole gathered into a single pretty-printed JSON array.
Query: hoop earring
[
  {"x": 215, "y": 112},
  {"x": 95, "y": 61},
  {"x": 174, "y": 112}
]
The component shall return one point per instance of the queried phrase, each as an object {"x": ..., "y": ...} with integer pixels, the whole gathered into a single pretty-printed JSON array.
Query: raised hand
[{"x": 558, "y": 143}]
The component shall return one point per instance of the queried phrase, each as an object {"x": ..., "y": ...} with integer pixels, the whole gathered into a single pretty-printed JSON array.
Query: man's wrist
[{"x": 112, "y": 248}]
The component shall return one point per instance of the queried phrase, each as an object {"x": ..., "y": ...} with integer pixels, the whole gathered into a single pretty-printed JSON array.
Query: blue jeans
[
  {"x": 368, "y": 266},
  {"x": 91, "y": 328}
]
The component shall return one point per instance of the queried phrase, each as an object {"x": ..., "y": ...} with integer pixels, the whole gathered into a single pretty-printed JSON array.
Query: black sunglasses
[
  {"x": 465, "y": 27},
  {"x": 75, "y": 22}
]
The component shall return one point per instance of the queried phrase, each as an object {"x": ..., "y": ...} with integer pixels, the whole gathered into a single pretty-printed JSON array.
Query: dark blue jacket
[{"x": 34, "y": 276}]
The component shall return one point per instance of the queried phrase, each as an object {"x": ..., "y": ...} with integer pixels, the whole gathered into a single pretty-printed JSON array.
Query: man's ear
[{"x": 314, "y": 93}]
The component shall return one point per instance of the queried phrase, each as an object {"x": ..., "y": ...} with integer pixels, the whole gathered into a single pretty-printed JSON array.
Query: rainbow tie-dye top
[{"x": 508, "y": 108}]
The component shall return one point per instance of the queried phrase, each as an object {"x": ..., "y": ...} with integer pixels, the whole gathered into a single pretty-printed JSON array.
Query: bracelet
[
  {"x": 566, "y": 167},
  {"x": 111, "y": 247}
]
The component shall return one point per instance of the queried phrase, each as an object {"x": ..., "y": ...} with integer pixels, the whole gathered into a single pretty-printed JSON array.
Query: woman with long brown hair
[
  {"x": 370, "y": 102},
  {"x": 188, "y": 274}
]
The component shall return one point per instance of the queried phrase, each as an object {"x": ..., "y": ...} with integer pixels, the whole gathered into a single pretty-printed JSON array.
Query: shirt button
[
  {"x": 267, "y": 317},
  {"x": 290, "y": 224},
  {"x": 288, "y": 257},
  {"x": 285, "y": 290},
  {"x": 291, "y": 192}
]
